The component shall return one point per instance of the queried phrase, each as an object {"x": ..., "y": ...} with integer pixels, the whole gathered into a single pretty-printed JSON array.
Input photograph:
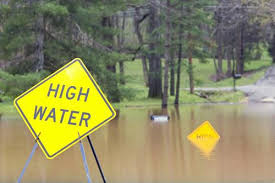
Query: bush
[
  {"x": 14, "y": 85},
  {"x": 127, "y": 93}
]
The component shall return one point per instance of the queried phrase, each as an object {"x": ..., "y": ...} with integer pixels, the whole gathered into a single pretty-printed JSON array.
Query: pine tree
[
  {"x": 196, "y": 15},
  {"x": 45, "y": 34}
]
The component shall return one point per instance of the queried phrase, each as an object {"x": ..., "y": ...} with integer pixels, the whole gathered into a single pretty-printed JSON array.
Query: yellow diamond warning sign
[
  {"x": 205, "y": 138},
  {"x": 64, "y": 108}
]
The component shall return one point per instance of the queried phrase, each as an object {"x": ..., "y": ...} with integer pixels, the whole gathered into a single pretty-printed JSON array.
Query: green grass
[
  {"x": 7, "y": 108},
  {"x": 247, "y": 80},
  {"x": 202, "y": 74},
  {"x": 227, "y": 97},
  {"x": 142, "y": 100}
]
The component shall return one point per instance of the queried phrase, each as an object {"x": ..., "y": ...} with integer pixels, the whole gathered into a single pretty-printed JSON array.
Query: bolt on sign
[
  {"x": 204, "y": 138},
  {"x": 64, "y": 108}
]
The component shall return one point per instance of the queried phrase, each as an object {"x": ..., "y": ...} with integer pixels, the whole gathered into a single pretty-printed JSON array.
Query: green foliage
[
  {"x": 64, "y": 20},
  {"x": 4, "y": 98},
  {"x": 71, "y": 29},
  {"x": 14, "y": 85},
  {"x": 127, "y": 93},
  {"x": 53, "y": 9}
]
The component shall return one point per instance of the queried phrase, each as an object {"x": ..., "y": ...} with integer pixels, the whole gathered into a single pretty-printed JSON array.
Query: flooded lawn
[{"x": 135, "y": 149}]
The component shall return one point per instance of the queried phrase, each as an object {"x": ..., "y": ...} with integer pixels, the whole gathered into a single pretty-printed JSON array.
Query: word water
[{"x": 63, "y": 115}]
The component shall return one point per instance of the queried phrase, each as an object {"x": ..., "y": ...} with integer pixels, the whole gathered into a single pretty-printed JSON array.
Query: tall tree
[
  {"x": 120, "y": 37},
  {"x": 43, "y": 34},
  {"x": 39, "y": 44},
  {"x": 138, "y": 19},
  {"x": 155, "y": 74},
  {"x": 219, "y": 40},
  {"x": 180, "y": 35},
  {"x": 190, "y": 63},
  {"x": 172, "y": 60},
  {"x": 167, "y": 52},
  {"x": 195, "y": 14}
]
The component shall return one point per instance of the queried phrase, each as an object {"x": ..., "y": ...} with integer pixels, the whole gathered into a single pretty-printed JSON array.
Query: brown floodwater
[{"x": 134, "y": 149}]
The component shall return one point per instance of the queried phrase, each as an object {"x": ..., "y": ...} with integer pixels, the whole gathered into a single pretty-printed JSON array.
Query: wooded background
[{"x": 39, "y": 36}]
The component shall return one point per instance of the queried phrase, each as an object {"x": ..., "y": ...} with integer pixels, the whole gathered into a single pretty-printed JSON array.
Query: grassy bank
[
  {"x": 185, "y": 98},
  {"x": 202, "y": 72},
  {"x": 7, "y": 108}
]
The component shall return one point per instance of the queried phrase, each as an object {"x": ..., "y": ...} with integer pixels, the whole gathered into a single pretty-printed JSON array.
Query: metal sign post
[
  {"x": 83, "y": 158},
  {"x": 85, "y": 162},
  {"x": 27, "y": 162},
  {"x": 96, "y": 159}
]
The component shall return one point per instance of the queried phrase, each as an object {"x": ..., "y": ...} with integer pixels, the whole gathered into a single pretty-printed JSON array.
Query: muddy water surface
[{"x": 134, "y": 149}]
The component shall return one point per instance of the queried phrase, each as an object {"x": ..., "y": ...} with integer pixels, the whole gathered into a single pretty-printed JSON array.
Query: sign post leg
[
  {"x": 85, "y": 162},
  {"x": 27, "y": 163},
  {"x": 96, "y": 159}
]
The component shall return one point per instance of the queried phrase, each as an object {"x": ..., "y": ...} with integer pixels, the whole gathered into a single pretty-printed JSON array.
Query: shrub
[{"x": 14, "y": 85}]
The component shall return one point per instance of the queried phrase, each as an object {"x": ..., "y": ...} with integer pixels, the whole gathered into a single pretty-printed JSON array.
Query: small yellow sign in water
[{"x": 205, "y": 138}]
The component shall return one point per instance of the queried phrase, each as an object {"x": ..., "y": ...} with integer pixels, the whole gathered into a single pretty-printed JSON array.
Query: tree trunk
[
  {"x": 167, "y": 54},
  {"x": 215, "y": 65},
  {"x": 190, "y": 64},
  {"x": 145, "y": 70},
  {"x": 238, "y": 57},
  {"x": 220, "y": 59},
  {"x": 112, "y": 80},
  {"x": 242, "y": 50},
  {"x": 39, "y": 27},
  {"x": 240, "y": 53},
  {"x": 122, "y": 37},
  {"x": 220, "y": 55},
  {"x": 240, "y": 40},
  {"x": 219, "y": 40},
  {"x": 229, "y": 67},
  {"x": 155, "y": 80},
  {"x": 140, "y": 40},
  {"x": 179, "y": 60},
  {"x": 120, "y": 42},
  {"x": 172, "y": 72},
  {"x": 121, "y": 72},
  {"x": 190, "y": 72}
]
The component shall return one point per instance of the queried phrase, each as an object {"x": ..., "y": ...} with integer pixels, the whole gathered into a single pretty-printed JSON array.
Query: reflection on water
[
  {"x": 134, "y": 149},
  {"x": 205, "y": 138}
]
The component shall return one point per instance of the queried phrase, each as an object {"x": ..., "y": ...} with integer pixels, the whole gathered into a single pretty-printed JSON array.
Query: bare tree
[
  {"x": 180, "y": 33},
  {"x": 167, "y": 53},
  {"x": 138, "y": 19},
  {"x": 120, "y": 42},
  {"x": 155, "y": 79},
  {"x": 39, "y": 44}
]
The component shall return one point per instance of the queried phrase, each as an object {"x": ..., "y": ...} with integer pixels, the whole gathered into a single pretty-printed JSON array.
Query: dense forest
[{"x": 38, "y": 37}]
